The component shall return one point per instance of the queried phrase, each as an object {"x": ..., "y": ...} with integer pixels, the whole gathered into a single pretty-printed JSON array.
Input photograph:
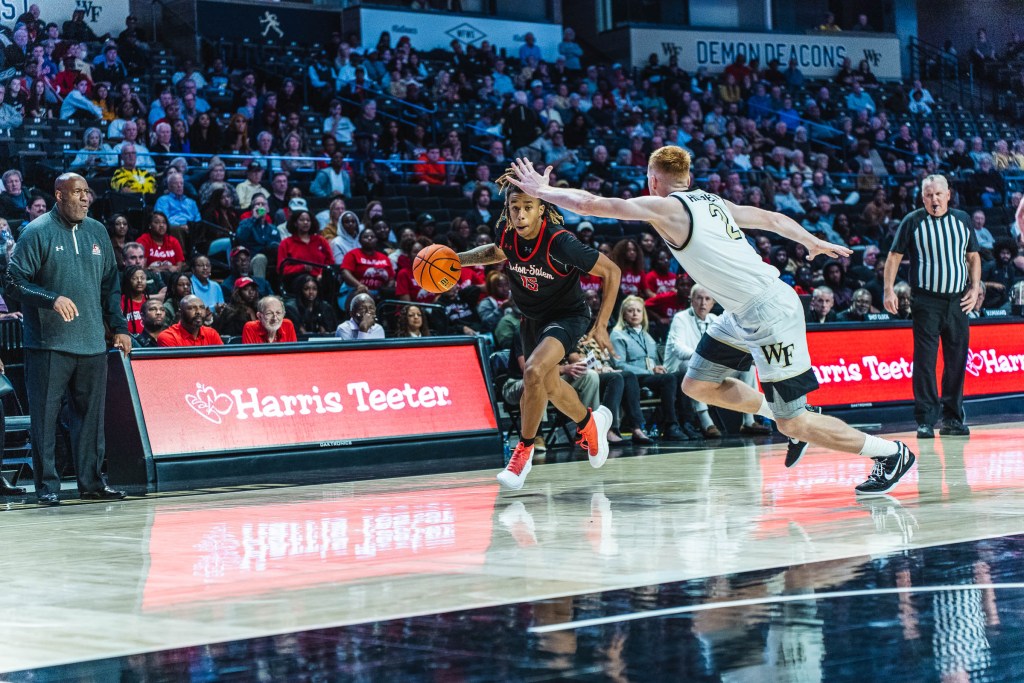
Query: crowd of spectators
[{"x": 239, "y": 198}]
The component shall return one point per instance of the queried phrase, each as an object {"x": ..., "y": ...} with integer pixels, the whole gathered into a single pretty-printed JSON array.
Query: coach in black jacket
[{"x": 64, "y": 274}]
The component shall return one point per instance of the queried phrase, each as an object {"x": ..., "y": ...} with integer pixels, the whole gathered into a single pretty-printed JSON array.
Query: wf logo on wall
[
  {"x": 872, "y": 57},
  {"x": 92, "y": 10},
  {"x": 102, "y": 16}
]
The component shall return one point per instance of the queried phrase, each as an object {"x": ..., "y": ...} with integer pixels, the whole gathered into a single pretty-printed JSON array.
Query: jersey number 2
[{"x": 731, "y": 230}]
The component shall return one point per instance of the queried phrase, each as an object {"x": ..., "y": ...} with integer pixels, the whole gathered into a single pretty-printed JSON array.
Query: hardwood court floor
[{"x": 699, "y": 536}]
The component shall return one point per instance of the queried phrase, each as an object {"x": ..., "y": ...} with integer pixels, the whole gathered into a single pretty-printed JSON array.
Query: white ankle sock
[
  {"x": 765, "y": 410},
  {"x": 705, "y": 419},
  {"x": 748, "y": 420},
  {"x": 878, "y": 448}
]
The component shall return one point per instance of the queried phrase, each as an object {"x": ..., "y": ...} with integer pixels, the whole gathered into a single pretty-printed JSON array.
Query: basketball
[{"x": 436, "y": 268}]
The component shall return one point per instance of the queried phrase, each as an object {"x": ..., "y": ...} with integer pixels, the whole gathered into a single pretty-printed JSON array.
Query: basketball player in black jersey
[{"x": 544, "y": 265}]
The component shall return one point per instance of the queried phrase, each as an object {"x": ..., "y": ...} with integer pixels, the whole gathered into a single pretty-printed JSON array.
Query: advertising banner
[
  {"x": 310, "y": 398},
  {"x": 436, "y": 30},
  {"x": 276, "y": 548},
  {"x": 863, "y": 367},
  {"x": 817, "y": 55},
  {"x": 261, "y": 22},
  {"x": 102, "y": 16}
]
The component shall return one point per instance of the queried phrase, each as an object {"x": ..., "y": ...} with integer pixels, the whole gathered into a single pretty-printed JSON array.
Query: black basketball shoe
[
  {"x": 954, "y": 428},
  {"x": 796, "y": 449},
  {"x": 887, "y": 471}
]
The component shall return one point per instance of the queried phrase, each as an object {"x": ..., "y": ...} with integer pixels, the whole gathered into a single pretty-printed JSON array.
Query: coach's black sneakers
[
  {"x": 887, "y": 471},
  {"x": 796, "y": 449},
  {"x": 954, "y": 428},
  {"x": 925, "y": 431}
]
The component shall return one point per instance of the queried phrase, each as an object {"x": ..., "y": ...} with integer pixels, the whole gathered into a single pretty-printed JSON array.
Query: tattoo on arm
[{"x": 483, "y": 255}]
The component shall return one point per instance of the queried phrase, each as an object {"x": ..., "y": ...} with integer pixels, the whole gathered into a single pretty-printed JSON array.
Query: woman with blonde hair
[
  {"x": 637, "y": 352},
  {"x": 294, "y": 147}
]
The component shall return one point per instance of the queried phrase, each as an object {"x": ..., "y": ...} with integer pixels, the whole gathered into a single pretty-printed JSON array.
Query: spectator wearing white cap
[{"x": 283, "y": 214}]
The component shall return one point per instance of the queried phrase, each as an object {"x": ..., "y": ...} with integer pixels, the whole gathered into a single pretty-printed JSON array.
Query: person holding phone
[{"x": 259, "y": 235}]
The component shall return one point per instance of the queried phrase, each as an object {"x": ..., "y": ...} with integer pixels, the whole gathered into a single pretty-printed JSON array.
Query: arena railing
[
  {"x": 401, "y": 170},
  {"x": 954, "y": 75},
  {"x": 242, "y": 161}
]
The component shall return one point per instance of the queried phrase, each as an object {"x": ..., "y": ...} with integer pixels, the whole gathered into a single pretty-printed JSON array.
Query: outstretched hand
[
  {"x": 527, "y": 179},
  {"x": 820, "y": 246}
]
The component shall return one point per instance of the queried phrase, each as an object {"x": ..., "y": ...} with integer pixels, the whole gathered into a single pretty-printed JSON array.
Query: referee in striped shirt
[{"x": 945, "y": 276}]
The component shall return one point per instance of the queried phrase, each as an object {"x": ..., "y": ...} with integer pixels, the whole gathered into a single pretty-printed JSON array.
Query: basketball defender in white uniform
[{"x": 763, "y": 321}]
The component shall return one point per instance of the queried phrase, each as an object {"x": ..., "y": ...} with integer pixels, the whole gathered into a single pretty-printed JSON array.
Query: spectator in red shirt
[
  {"x": 133, "y": 297},
  {"x": 305, "y": 252},
  {"x": 367, "y": 269},
  {"x": 64, "y": 82},
  {"x": 627, "y": 256},
  {"x": 660, "y": 279},
  {"x": 662, "y": 307},
  {"x": 163, "y": 251},
  {"x": 739, "y": 69},
  {"x": 406, "y": 287},
  {"x": 429, "y": 170},
  {"x": 590, "y": 282},
  {"x": 271, "y": 326},
  {"x": 190, "y": 330}
]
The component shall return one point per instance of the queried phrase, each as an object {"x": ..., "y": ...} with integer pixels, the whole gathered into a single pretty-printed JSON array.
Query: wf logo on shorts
[
  {"x": 208, "y": 403},
  {"x": 779, "y": 354}
]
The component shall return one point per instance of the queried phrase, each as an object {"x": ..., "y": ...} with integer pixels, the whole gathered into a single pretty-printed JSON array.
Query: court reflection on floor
[{"x": 680, "y": 529}]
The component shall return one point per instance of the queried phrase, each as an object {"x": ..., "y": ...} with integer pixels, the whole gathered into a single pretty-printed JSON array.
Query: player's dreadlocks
[{"x": 506, "y": 188}]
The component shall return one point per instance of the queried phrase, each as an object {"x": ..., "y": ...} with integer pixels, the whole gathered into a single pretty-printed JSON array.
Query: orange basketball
[{"x": 436, "y": 268}]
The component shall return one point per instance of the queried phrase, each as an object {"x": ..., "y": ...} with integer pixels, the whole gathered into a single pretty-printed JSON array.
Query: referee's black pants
[
  {"x": 938, "y": 318},
  {"x": 48, "y": 375}
]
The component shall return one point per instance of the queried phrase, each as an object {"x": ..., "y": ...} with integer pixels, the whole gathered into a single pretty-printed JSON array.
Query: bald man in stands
[{"x": 191, "y": 330}]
